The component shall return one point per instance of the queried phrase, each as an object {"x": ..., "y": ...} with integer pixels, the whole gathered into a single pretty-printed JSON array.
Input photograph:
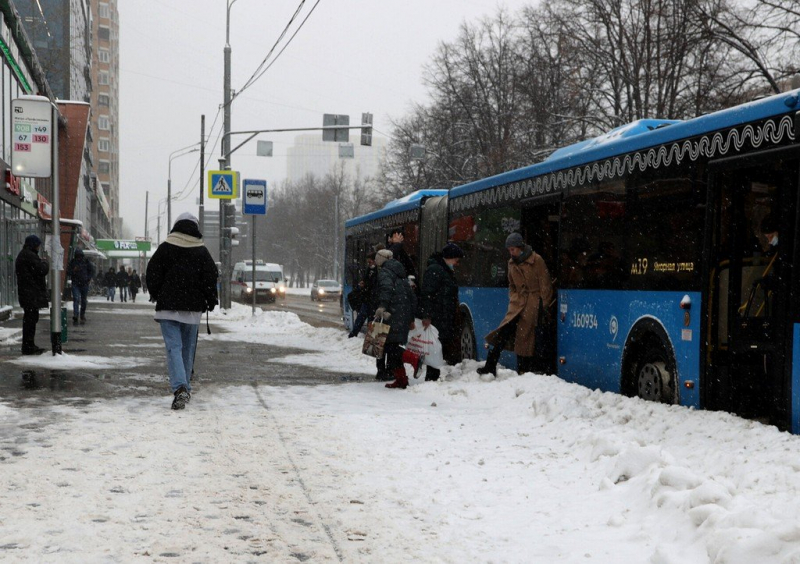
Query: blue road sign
[
  {"x": 255, "y": 197},
  {"x": 223, "y": 184}
]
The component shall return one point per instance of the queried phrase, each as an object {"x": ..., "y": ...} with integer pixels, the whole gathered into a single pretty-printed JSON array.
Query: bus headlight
[
  {"x": 282, "y": 289},
  {"x": 273, "y": 290}
]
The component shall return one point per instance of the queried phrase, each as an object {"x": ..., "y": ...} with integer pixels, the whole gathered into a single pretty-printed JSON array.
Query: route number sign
[{"x": 31, "y": 137}]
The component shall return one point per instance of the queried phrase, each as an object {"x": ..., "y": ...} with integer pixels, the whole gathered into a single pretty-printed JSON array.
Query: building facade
[
  {"x": 20, "y": 198},
  {"x": 105, "y": 116}
]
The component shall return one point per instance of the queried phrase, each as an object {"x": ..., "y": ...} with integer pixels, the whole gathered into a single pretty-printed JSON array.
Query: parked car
[{"x": 326, "y": 290}]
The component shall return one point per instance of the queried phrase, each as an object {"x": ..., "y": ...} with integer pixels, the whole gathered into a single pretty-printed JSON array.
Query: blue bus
[{"x": 671, "y": 243}]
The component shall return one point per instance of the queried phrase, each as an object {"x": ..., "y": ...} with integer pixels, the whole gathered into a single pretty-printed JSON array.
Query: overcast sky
[{"x": 351, "y": 56}]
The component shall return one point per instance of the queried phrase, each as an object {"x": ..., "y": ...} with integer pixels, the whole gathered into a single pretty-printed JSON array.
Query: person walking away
[
  {"x": 529, "y": 285},
  {"x": 366, "y": 289},
  {"x": 122, "y": 284},
  {"x": 438, "y": 304},
  {"x": 110, "y": 281},
  {"x": 31, "y": 271},
  {"x": 136, "y": 283},
  {"x": 396, "y": 305},
  {"x": 81, "y": 272},
  {"x": 182, "y": 279}
]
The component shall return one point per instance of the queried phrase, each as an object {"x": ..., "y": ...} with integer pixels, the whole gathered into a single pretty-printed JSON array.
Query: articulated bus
[{"x": 672, "y": 245}]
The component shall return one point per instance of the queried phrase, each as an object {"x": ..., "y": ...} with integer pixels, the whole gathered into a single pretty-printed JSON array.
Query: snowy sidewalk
[{"x": 519, "y": 469}]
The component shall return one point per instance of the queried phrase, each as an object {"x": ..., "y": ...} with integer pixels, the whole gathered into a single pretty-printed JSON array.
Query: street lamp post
[{"x": 173, "y": 156}]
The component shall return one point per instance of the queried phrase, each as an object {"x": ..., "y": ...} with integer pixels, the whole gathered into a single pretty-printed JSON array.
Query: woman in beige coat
[{"x": 529, "y": 285}]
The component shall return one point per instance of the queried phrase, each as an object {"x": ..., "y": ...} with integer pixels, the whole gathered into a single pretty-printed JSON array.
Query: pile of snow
[{"x": 73, "y": 362}]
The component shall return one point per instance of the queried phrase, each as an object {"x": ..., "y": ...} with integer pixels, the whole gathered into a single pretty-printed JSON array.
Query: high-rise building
[
  {"x": 61, "y": 33},
  {"x": 311, "y": 155},
  {"x": 105, "y": 109}
]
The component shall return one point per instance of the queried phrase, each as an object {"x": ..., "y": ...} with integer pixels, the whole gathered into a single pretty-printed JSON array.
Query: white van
[{"x": 270, "y": 282}]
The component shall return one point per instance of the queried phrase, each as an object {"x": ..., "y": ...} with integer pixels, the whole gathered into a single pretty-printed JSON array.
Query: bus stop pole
[
  {"x": 253, "y": 237},
  {"x": 56, "y": 254}
]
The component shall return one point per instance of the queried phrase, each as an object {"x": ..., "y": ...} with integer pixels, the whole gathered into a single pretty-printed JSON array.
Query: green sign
[
  {"x": 15, "y": 67},
  {"x": 118, "y": 245}
]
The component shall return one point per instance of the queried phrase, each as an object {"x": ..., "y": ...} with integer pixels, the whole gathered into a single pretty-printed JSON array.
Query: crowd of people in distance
[{"x": 387, "y": 290}]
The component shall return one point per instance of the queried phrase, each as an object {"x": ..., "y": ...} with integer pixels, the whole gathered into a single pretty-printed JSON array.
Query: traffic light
[
  {"x": 233, "y": 233},
  {"x": 366, "y": 129}
]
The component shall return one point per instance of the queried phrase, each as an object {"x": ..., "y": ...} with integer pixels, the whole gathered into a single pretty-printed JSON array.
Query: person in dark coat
[
  {"x": 394, "y": 243},
  {"x": 110, "y": 282},
  {"x": 122, "y": 283},
  {"x": 81, "y": 272},
  {"x": 438, "y": 304},
  {"x": 136, "y": 283},
  {"x": 366, "y": 290},
  {"x": 396, "y": 305},
  {"x": 31, "y": 271},
  {"x": 182, "y": 279}
]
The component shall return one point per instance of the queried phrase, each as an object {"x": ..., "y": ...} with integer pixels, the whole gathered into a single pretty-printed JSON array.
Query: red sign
[
  {"x": 12, "y": 183},
  {"x": 45, "y": 208}
]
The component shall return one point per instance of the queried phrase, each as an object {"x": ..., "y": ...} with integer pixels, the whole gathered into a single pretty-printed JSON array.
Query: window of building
[
  {"x": 103, "y": 77},
  {"x": 103, "y": 124},
  {"x": 103, "y": 145},
  {"x": 103, "y": 10},
  {"x": 104, "y": 168},
  {"x": 103, "y": 33},
  {"x": 104, "y": 100},
  {"x": 104, "y": 55}
]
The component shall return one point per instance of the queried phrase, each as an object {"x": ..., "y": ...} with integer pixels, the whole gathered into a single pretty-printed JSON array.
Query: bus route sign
[
  {"x": 31, "y": 137},
  {"x": 254, "y": 196}
]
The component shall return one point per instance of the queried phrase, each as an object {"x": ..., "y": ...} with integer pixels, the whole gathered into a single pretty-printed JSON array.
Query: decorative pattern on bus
[
  {"x": 712, "y": 145},
  {"x": 385, "y": 222}
]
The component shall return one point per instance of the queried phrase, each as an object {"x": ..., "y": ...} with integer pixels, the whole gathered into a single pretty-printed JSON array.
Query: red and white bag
[{"x": 426, "y": 342}]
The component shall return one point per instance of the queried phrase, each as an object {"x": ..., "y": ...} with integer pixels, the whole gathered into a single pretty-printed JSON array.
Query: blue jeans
[
  {"x": 364, "y": 312},
  {"x": 111, "y": 291},
  {"x": 123, "y": 293},
  {"x": 180, "y": 340},
  {"x": 79, "y": 295}
]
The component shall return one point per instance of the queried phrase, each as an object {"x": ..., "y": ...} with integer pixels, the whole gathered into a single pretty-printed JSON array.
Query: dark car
[{"x": 326, "y": 290}]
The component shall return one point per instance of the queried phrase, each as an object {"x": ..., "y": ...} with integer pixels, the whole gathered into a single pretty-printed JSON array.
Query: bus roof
[
  {"x": 409, "y": 202},
  {"x": 640, "y": 135}
]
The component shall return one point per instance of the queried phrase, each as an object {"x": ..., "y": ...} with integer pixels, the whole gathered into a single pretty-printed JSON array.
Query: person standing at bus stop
[
  {"x": 182, "y": 279},
  {"x": 31, "y": 271},
  {"x": 81, "y": 272},
  {"x": 529, "y": 285},
  {"x": 438, "y": 304}
]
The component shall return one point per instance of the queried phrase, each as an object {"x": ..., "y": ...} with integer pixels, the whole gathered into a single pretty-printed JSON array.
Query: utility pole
[
  {"x": 225, "y": 164},
  {"x": 146, "y": 203},
  {"x": 202, "y": 170}
]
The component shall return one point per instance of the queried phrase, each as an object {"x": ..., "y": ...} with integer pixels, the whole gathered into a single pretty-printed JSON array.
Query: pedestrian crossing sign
[{"x": 223, "y": 184}]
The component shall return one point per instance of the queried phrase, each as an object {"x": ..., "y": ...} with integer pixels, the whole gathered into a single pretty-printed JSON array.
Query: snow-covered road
[{"x": 519, "y": 469}]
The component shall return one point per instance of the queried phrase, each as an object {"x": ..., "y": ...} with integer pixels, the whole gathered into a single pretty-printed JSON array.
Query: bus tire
[
  {"x": 649, "y": 370},
  {"x": 469, "y": 347}
]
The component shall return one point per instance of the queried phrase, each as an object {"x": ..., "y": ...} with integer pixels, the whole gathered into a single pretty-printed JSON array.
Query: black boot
[
  {"x": 432, "y": 374},
  {"x": 384, "y": 376},
  {"x": 491, "y": 362}
]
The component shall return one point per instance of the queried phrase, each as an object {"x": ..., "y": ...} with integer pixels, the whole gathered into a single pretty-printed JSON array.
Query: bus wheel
[
  {"x": 469, "y": 348},
  {"x": 654, "y": 381}
]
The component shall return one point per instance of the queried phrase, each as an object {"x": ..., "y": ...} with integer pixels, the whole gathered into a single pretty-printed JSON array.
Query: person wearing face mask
[
  {"x": 769, "y": 228},
  {"x": 438, "y": 304},
  {"x": 529, "y": 286}
]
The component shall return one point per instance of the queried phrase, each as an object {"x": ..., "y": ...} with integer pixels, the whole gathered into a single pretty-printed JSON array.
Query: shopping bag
[
  {"x": 375, "y": 339},
  {"x": 426, "y": 342}
]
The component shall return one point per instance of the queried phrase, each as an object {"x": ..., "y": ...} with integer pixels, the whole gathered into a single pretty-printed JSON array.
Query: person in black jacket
[
  {"x": 110, "y": 282},
  {"x": 396, "y": 305},
  {"x": 394, "y": 242},
  {"x": 182, "y": 279},
  {"x": 366, "y": 289},
  {"x": 31, "y": 271},
  {"x": 81, "y": 272},
  {"x": 136, "y": 283},
  {"x": 438, "y": 305},
  {"x": 122, "y": 283}
]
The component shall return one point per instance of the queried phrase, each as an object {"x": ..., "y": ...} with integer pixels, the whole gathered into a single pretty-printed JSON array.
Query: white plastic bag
[{"x": 426, "y": 342}]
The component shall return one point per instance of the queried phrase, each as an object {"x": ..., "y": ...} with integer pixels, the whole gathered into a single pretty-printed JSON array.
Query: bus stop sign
[{"x": 255, "y": 197}]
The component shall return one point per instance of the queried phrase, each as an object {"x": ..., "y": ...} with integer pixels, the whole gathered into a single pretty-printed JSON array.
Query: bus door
[
  {"x": 539, "y": 226},
  {"x": 754, "y": 202}
]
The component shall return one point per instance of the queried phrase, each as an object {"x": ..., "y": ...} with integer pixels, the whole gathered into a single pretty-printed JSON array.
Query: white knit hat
[
  {"x": 382, "y": 256},
  {"x": 189, "y": 216}
]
